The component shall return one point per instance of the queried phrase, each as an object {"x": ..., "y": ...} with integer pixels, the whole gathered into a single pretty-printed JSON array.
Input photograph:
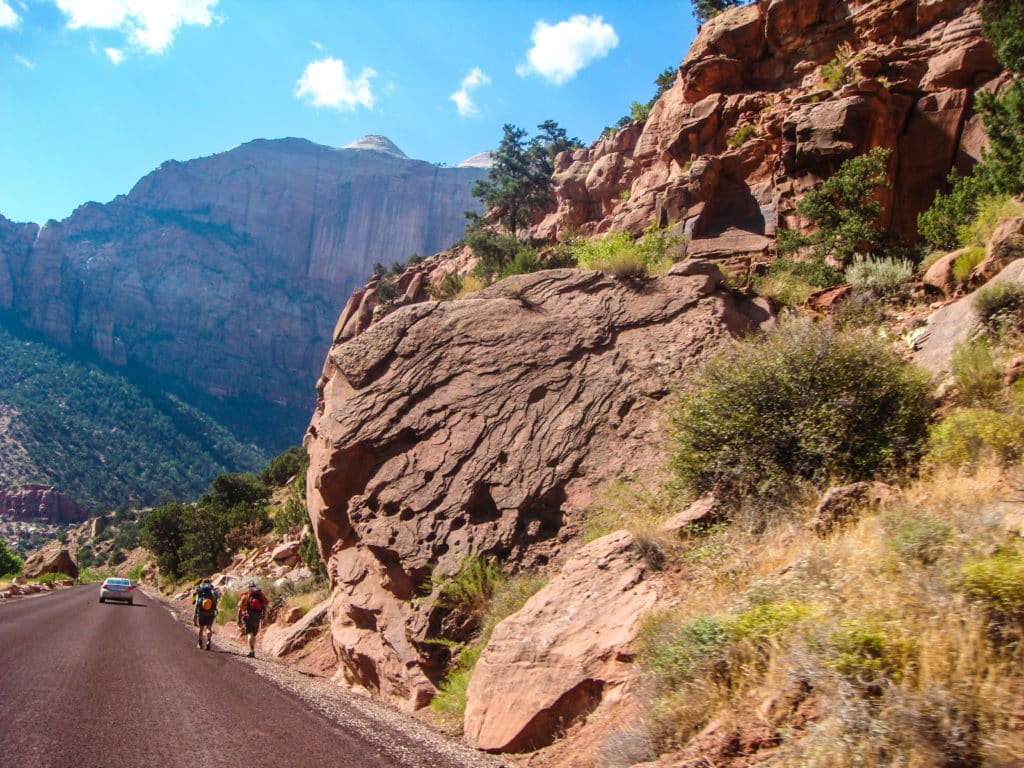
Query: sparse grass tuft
[
  {"x": 998, "y": 582},
  {"x": 978, "y": 377},
  {"x": 1000, "y": 306}
]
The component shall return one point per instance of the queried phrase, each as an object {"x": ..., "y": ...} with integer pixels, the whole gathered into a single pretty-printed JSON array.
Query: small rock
[{"x": 841, "y": 505}]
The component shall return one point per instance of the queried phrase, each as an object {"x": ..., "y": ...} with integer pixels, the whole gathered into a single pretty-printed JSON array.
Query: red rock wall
[
  {"x": 916, "y": 66},
  {"x": 35, "y": 502}
]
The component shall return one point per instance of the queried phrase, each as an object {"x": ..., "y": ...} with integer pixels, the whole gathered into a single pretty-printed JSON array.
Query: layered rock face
[
  {"x": 753, "y": 121},
  {"x": 229, "y": 271},
  {"x": 478, "y": 427},
  {"x": 39, "y": 502}
]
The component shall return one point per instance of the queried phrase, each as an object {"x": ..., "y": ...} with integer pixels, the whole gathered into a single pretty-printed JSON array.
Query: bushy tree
[
  {"x": 518, "y": 185},
  {"x": 844, "y": 212},
  {"x": 10, "y": 563},
  {"x": 1001, "y": 170},
  {"x": 1003, "y": 25},
  {"x": 196, "y": 539},
  {"x": 806, "y": 402},
  {"x": 292, "y": 462}
]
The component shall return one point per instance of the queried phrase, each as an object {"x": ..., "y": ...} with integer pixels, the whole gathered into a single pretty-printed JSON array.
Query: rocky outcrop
[
  {"x": 553, "y": 662},
  {"x": 752, "y": 122},
  {"x": 954, "y": 324},
  {"x": 53, "y": 558},
  {"x": 478, "y": 427},
  {"x": 842, "y": 505},
  {"x": 228, "y": 272},
  {"x": 39, "y": 502}
]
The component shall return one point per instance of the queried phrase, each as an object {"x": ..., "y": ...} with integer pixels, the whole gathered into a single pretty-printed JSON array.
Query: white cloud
[
  {"x": 318, "y": 45},
  {"x": 27, "y": 63},
  {"x": 148, "y": 24},
  {"x": 563, "y": 49},
  {"x": 461, "y": 97},
  {"x": 8, "y": 18},
  {"x": 116, "y": 55},
  {"x": 325, "y": 83}
]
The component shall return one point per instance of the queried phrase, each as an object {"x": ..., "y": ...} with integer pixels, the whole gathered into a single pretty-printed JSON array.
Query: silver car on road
[{"x": 117, "y": 589}]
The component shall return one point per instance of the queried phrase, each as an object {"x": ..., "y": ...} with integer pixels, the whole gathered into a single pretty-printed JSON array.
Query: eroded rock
[
  {"x": 550, "y": 664},
  {"x": 462, "y": 428}
]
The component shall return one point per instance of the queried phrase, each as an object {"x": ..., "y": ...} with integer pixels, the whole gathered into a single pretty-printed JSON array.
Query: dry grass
[
  {"x": 306, "y": 601},
  {"x": 904, "y": 666}
]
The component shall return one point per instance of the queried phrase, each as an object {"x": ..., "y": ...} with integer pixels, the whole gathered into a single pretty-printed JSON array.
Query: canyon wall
[
  {"x": 771, "y": 99},
  {"x": 228, "y": 272}
]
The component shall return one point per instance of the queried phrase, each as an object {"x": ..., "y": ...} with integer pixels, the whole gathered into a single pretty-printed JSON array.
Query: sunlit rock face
[
  {"x": 478, "y": 427},
  {"x": 771, "y": 98},
  {"x": 229, "y": 271}
]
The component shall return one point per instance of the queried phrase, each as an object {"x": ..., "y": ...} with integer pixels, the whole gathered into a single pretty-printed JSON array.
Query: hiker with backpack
[
  {"x": 252, "y": 604},
  {"x": 206, "y": 598}
]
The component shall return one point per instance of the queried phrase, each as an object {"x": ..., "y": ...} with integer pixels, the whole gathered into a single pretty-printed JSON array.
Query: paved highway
[{"x": 85, "y": 685}]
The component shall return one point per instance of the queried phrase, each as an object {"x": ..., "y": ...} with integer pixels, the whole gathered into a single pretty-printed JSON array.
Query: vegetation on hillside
[
  {"x": 194, "y": 539},
  {"x": 805, "y": 403},
  {"x": 10, "y": 563},
  {"x": 97, "y": 436},
  {"x": 1001, "y": 171}
]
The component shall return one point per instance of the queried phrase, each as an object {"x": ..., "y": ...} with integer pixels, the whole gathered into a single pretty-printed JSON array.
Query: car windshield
[{"x": 119, "y": 582}]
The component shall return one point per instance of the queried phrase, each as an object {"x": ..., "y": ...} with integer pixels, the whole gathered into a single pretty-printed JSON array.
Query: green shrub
[
  {"x": 290, "y": 463},
  {"x": 806, "y": 402},
  {"x": 447, "y": 289},
  {"x": 998, "y": 582},
  {"x": 310, "y": 555},
  {"x": 991, "y": 210},
  {"x": 93, "y": 575},
  {"x": 942, "y": 224},
  {"x": 10, "y": 563},
  {"x": 978, "y": 377},
  {"x": 472, "y": 587},
  {"x": 790, "y": 282},
  {"x": 966, "y": 262},
  {"x": 844, "y": 212},
  {"x": 869, "y": 652},
  {"x": 50, "y": 578},
  {"x": 673, "y": 651},
  {"x": 135, "y": 572},
  {"x": 837, "y": 71},
  {"x": 964, "y": 438},
  {"x": 620, "y": 254},
  {"x": 880, "y": 276},
  {"x": 227, "y": 606},
  {"x": 770, "y": 619},
  {"x": 741, "y": 135},
  {"x": 1000, "y": 305},
  {"x": 918, "y": 537}
]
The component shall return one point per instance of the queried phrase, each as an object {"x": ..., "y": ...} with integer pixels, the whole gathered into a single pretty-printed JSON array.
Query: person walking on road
[
  {"x": 252, "y": 604},
  {"x": 206, "y": 598}
]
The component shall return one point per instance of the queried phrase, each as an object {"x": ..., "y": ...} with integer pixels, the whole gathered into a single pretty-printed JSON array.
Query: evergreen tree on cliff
[
  {"x": 1001, "y": 171},
  {"x": 518, "y": 186}
]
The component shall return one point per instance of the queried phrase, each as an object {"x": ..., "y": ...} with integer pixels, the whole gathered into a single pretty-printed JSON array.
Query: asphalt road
[{"x": 85, "y": 685}]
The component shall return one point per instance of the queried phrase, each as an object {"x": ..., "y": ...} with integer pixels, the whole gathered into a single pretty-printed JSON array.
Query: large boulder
[
  {"x": 552, "y": 663},
  {"x": 478, "y": 427},
  {"x": 53, "y": 558}
]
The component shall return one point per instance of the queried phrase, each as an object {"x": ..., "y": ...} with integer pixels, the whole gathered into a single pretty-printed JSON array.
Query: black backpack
[{"x": 206, "y": 598}]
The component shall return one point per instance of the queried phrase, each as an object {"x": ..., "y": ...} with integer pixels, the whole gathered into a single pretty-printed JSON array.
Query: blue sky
[{"x": 94, "y": 94}]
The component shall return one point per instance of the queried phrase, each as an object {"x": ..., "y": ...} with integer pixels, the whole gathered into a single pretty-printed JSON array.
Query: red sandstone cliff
[
  {"x": 229, "y": 271},
  {"x": 913, "y": 68}
]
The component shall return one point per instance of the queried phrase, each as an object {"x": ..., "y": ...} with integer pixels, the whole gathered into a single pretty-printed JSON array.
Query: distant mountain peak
[
  {"x": 377, "y": 144},
  {"x": 479, "y": 160}
]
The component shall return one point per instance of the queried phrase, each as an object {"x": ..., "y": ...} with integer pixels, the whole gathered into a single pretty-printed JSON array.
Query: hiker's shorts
[
  {"x": 206, "y": 618},
  {"x": 252, "y": 624}
]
